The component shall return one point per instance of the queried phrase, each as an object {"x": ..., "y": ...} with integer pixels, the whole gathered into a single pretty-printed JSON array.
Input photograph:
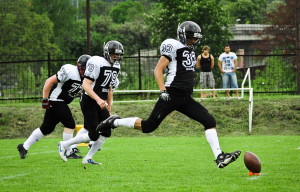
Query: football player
[
  {"x": 178, "y": 58},
  {"x": 59, "y": 90},
  {"x": 100, "y": 78}
]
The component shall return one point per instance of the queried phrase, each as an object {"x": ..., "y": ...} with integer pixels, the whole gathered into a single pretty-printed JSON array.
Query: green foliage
[
  {"x": 127, "y": 11},
  {"x": 212, "y": 19},
  {"x": 63, "y": 15},
  {"x": 22, "y": 31},
  {"x": 26, "y": 81},
  {"x": 131, "y": 35},
  {"x": 249, "y": 11},
  {"x": 274, "y": 5},
  {"x": 278, "y": 75}
]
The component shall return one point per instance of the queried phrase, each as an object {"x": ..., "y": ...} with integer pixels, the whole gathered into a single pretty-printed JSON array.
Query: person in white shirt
[{"x": 228, "y": 64}]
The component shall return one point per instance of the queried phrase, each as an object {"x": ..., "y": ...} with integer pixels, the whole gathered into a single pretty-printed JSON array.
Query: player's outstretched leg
[
  {"x": 225, "y": 159},
  {"x": 107, "y": 124},
  {"x": 22, "y": 151}
]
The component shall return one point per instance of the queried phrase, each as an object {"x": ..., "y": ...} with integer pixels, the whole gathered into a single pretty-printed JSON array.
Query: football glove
[
  {"x": 164, "y": 95},
  {"x": 45, "y": 103}
]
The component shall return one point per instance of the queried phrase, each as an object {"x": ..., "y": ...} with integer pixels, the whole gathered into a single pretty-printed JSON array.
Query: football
[{"x": 252, "y": 162}]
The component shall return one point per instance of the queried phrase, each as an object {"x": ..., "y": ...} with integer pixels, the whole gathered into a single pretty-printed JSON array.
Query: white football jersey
[
  {"x": 103, "y": 75},
  {"x": 181, "y": 69},
  {"x": 227, "y": 61},
  {"x": 69, "y": 84}
]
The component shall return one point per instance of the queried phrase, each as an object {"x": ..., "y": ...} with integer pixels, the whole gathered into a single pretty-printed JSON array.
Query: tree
[
  {"x": 281, "y": 32},
  {"x": 213, "y": 20},
  {"x": 127, "y": 11},
  {"x": 249, "y": 11},
  {"x": 64, "y": 17},
  {"x": 22, "y": 31}
]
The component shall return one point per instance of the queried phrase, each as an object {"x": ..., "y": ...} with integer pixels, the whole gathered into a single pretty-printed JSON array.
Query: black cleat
[
  {"x": 224, "y": 159},
  {"x": 75, "y": 150},
  {"x": 22, "y": 151},
  {"x": 74, "y": 156},
  {"x": 107, "y": 124}
]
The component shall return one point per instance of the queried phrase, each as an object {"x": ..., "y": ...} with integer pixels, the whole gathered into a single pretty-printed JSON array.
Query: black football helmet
[
  {"x": 189, "y": 29},
  {"x": 113, "y": 47},
  {"x": 81, "y": 63}
]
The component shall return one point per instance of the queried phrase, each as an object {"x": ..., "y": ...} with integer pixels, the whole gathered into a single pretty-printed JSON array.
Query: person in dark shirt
[{"x": 205, "y": 62}]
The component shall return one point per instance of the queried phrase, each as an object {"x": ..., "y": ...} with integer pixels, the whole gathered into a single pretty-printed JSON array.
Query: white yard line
[
  {"x": 28, "y": 154},
  {"x": 14, "y": 176}
]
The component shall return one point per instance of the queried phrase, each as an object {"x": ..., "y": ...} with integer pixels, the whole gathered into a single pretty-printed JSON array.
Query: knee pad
[
  {"x": 149, "y": 126},
  {"x": 70, "y": 125},
  {"x": 94, "y": 135},
  {"x": 46, "y": 129},
  {"x": 210, "y": 123}
]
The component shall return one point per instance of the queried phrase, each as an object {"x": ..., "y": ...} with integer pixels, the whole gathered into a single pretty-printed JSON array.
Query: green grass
[
  {"x": 153, "y": 164},
  {"x": 272, "y": 115}
]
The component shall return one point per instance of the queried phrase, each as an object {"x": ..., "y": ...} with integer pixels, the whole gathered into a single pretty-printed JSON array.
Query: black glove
[
  {"x": 45, "y": 103},
  {"x": 164, "y": 95}
]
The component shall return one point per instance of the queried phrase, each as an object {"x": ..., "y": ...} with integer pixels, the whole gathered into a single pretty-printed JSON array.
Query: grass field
[{"x": 153, "y": 164}]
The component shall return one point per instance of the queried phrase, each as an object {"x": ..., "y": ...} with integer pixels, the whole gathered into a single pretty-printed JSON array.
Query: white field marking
[
  {"x": 13, "y": 176},
  {"x": 298, "y": 148},
  {"x": 28, "y": 153}
]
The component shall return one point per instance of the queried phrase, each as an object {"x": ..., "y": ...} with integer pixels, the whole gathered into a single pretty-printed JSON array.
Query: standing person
[
  {"x": 205, "y": 62},
  {"x": 228, "y": 64},
  {"x": 178, "y": 57},
  {"x": 99, "y": 80},
  {"x": 59, "y": 90}
]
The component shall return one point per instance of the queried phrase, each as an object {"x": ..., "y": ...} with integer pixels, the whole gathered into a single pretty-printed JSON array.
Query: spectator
[
  {"x": 228, "y": 64},
  {"x": 205, "y": 62}
]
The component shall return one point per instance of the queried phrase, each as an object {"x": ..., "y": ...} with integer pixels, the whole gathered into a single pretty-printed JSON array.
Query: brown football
[{"x": 252, "y": 162}]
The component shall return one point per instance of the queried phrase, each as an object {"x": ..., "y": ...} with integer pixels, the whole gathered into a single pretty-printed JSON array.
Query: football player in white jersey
[
  {"x": 178, "y": 58},
  {"x": 100, "y": 78},
  {"x": 59, "y": 90}
]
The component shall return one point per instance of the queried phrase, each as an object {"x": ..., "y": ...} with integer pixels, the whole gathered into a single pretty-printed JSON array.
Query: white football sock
[
  {"x": 66, "y": 137},
  {"x": 35, "y": 136},
  {"x": 95, "y": 147},
  {"x": 212, "y": 138},
  {"x": 82, "y": 138},
  {"x": 81, "y": 131},
  {"x": 91, "y": 142},
  {"x": 127, "y": 122}
]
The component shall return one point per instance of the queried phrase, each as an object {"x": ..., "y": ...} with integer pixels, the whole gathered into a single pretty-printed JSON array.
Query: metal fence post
[
  {"x": 49, "y": 64},
  {"x": 140, "y": 70},
  {"x": 297, "y": 34}
]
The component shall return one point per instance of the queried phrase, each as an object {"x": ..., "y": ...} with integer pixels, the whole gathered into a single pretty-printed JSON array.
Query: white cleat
[
  {"x": 90, "y": 161},
  {"x": 62, "y": 151}
]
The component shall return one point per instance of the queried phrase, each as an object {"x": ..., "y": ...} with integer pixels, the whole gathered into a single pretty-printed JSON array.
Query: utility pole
[
  {"x": 297, "y": 14},
  {"x": 88, "y": 27}
]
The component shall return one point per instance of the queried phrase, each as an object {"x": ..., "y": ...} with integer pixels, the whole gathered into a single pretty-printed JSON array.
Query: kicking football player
[
  {"x": 178, "y": 57},
  {"x": 100, "y": 78},
  {"x": 59, "y": 90}
]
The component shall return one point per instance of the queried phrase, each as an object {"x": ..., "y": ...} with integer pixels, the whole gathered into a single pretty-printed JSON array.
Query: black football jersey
[
  {"x": 181, "y": 69},
  {"x": 103, "y": 75}
]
